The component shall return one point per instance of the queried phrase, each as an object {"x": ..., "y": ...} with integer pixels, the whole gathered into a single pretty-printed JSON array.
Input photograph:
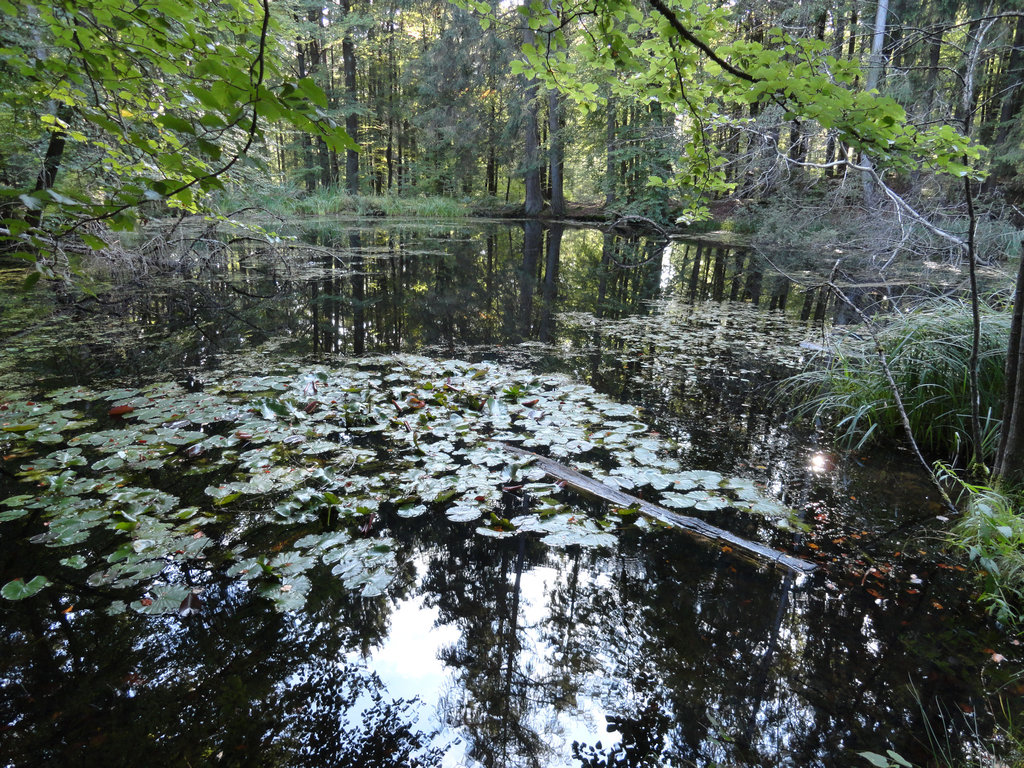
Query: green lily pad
[
  {"x": 287, "y": 595},
  {"x": 162, "y": 600},
  {"x": 19, "y": 589}
]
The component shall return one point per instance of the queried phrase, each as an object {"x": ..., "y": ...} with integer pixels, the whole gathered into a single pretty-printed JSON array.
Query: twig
[
  {"x": 643, "y": 219},
  {"x": 893, "y": 388}
]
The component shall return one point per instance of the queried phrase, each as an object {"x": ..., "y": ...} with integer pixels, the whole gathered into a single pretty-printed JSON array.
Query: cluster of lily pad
[
  {"x": 135, "y": 486},
  {"x": 731, "y": 339}
]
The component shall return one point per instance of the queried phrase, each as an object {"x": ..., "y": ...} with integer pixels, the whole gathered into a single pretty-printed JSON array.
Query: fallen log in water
[{"x": 692, "y": 525}]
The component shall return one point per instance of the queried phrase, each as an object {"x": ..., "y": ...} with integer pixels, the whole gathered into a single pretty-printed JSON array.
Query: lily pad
[
  {"x": 161, "y": 600},
  {"x": 19, "y": 589},
  {"x": 463, "y": 513}
]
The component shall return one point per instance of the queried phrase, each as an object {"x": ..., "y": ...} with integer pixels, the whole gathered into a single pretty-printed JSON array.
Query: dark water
[{"x": 505, "y": 652}]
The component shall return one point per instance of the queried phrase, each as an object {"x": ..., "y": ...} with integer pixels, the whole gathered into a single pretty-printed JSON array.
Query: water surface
[{"x": 502, "y": 652}]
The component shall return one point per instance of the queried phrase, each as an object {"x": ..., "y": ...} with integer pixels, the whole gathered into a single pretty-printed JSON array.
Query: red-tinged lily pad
[
  {"x": 120, "y": 410},
  {"x": 190, "y": 606}
]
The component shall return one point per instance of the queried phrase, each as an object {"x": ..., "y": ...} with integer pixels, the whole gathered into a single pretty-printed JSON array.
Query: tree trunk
[
  {"x": 51, "y": 162},
  {"x": 1012, "y": 101},
  {"x": 348, "y": 58},
  {"x": 556, "y": 153},
  {"x": 874, "y": 75},
  {"x": 531, "y": 162},
  {"x": 931, "y": 82},
  {"x": 305, "y": 140},
  {"x": 609, "y": 167},
  {"x": 1009, "y": 467},
  {"x": 700, "y": 530}
]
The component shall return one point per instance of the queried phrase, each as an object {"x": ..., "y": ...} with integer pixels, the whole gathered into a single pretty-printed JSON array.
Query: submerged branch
[{"x": 694, "y": 526}]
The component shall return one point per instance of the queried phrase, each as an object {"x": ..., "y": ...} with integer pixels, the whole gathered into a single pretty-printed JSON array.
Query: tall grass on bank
[
  {"x": 927, "y": 350},
  {"x": 288, "y": 201}
]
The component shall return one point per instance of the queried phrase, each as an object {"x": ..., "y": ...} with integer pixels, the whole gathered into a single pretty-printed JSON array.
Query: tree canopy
[{"x": 147, "y": 102}]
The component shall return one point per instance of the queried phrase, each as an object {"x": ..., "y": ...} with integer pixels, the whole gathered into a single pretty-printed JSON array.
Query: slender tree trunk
[
  {"x": 609, "y": 166},
  {"x": 401, "y": 157},
  {"x": 492, "y": 155},
  {"x": 531, "y": 162},
  {"x": 934, "y": 56},
  {"x": 348, "y": 58},
  {"x": 967, "y": 107},
  {"x": 874, "y": 75},
  {"x": 1009, "y": 467},
  {"x": 972, "y": 262},
  {"x": 838, "y": 38},
  {"x": 305, "y": 139},
  {"x": 316, "y": 63},
  {"x": 392, "y": 82}
]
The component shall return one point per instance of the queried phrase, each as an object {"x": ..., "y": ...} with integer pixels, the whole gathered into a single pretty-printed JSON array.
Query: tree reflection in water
[
  {"x": 240, "y": 685},
  {"x": 657, "y": 653}
]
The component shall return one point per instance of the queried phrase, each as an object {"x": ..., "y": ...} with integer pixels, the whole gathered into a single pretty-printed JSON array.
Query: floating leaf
[
  {"x": 463, "y": 513},
  {"x": 75, "y": 561},
  {"x": 20, "y": 589},
  {"x": 165, "y": 599},
  {"x": 411, "y": 510},
  {"x": 288, "y": 596},
  {"x": 880, "y": 761}
]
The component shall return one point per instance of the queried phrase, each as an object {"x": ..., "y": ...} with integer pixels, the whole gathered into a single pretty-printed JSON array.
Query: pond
[{"x": 260, "y": 512}]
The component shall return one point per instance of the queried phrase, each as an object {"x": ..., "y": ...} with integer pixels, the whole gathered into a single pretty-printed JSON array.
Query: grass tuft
[
  {"x": 285, "y": 200},
  {"x": 928, "y": 350}
]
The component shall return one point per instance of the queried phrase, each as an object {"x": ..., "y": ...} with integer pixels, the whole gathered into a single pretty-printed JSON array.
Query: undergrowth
[
  {"x": 991, "y": 532},
  {"x": 927, "y": 350},
  {"x": 289, "y": 200}
]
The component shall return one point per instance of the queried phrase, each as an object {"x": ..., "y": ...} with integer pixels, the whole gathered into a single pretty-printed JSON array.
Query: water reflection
[
  {"x": 494, "y": 654},
  {"x": 501, "y": 653},
  {"x": 356, "y": 290}
]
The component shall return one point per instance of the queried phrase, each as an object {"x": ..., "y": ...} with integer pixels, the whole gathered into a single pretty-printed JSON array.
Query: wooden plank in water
[{"x": 694, "y": 526}]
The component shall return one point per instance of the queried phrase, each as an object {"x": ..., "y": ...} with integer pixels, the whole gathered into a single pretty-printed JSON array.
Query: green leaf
[
  {"x": 208, "y": 148},
  {"x": 176, "y": 123},
  {"x": 20, "y": 589},
  {"x": 875, "y": 759},
  {"x": 30, "y": 280},
  {"x": 308, "y": 88},
  {"x": 165, "y": 600},
  {"x": 96, "y": 243}
]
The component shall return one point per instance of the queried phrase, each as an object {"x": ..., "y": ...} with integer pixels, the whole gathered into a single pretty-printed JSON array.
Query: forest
[
  {"x": 649, "y": 110},
  {"x": 570, "y": 383}
]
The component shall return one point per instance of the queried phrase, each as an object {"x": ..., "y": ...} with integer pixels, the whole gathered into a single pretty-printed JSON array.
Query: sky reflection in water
[{"x": 663, "y": 651}]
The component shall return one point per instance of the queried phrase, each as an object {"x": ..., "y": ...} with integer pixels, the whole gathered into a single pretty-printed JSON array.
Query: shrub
[{"x": 991, "y": 532}]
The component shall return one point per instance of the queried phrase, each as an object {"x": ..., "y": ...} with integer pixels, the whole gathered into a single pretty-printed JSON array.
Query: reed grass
[
  {"x": 286, "y": 200},
  {"x": 927, "y": 350}
]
